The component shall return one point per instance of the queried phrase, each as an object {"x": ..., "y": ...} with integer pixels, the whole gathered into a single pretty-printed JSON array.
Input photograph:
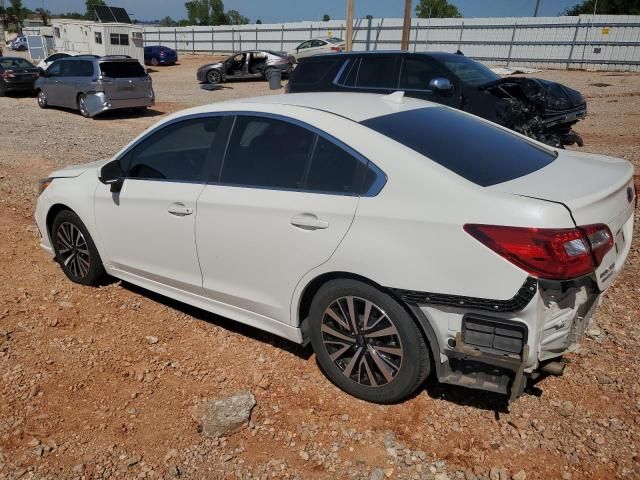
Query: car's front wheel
[
  {"x": 214, "y": 76},
  {"x": 75, "y": 251},
  {"x": 366, "y": 343}
]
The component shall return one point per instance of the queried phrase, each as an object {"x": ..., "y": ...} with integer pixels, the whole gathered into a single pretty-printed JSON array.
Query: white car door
[
  {"x": 304, "y": 50},
  {"x": 284, "y": 201},
  {"x": 148, "y": 228}
]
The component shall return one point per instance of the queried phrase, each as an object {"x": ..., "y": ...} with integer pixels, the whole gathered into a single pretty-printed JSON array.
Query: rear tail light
[
  {"x": 7, "y": 74},
  {"x": 336, "y": 49},
  {"x": 550, "y": 253}
]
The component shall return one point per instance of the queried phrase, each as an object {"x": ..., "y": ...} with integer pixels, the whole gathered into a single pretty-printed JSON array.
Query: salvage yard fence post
[{"x": 513, "y": 36}]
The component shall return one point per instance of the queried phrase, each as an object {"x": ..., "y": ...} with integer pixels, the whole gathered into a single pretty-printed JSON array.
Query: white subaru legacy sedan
[{"x": 397, "y": 236}]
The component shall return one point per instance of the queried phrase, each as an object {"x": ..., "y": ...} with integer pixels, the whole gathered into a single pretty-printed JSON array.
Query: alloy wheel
[
  {"x": 362, "y": 341},
  {"x": 73, "y": 250},
  {"x": 214, "y": 76},
  {"x": 82, "y": 104},
  {"x": 42, "y": 99}
]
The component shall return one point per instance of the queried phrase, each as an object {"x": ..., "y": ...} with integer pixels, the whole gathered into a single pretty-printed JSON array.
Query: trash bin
[{"x": 275, "y": 78}]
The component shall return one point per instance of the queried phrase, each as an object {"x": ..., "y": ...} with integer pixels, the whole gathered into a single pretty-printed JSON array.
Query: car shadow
[
  {"x": 304, "y": 353},
  {"x": 213, "y": 87},
  {"x": 20, "y": 94},
  {"x": 126, "y": 113}
]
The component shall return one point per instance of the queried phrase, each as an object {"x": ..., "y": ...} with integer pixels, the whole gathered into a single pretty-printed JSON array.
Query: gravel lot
[{"x": 100, "y": 383}]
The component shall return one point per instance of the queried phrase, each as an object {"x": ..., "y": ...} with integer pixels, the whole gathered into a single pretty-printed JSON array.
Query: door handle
[
  {"x": 179, "y": 209},
  {"x": 309, "y": 221}
]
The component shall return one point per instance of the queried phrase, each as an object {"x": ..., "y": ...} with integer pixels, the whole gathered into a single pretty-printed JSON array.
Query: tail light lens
[
  {"x": 336, "y": 49},
  {"x": 556, "y": 254}
]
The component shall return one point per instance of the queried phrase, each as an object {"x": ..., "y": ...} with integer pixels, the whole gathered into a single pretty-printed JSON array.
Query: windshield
[
  {"x": 9, "y": 63},
  {"x": 476, "y": 150},
  {"x": 469, "y": 71},
  {"x": 122, "y": 69}
]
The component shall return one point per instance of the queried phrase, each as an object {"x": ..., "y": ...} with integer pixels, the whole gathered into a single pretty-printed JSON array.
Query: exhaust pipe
[{"x": 553, "y": 368}]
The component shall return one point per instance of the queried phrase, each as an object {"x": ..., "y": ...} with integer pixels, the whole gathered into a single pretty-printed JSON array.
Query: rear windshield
[
  {"x": 478, "y": 151},
  {"x": 122, "y": 69},
  {"x": 334, "y": 40},
  {"x": 312, "y": 72},
  {"x": 9, "y": 63}
]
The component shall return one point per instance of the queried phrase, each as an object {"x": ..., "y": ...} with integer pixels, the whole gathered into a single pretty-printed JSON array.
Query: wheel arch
[
  {"x": 53, "y": 213},
  {"x": 312, "y": 288}
]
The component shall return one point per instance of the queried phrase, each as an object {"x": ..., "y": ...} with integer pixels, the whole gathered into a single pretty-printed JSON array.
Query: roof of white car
[{"x": 354, "y": 106}]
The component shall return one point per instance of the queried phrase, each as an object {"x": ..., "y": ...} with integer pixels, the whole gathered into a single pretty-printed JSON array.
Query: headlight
[{"x": 43, "y": 184}]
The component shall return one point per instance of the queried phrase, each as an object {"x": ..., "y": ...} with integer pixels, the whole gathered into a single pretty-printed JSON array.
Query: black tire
[
  {"x": 154, "y": 61},
  {"x": 82, "y": 247},
  {"x": 406, "y": 369},
  {"x": 81, "y": 108},
  {"x": 213, "y": 76},
  {"x": 268, "y": 72},
  {"x": 42, "y": 99}
]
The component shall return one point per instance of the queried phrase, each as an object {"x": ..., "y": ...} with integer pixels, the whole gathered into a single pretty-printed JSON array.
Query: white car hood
[{"x": 76, "y": 170}]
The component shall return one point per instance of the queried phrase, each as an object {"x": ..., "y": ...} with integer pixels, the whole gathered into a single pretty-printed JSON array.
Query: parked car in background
[
  {"x": 245, "y": 64},
  {"x": 281, "y": 212},
  {"x": 540, "y": 109},
  {"x": 19, "y": 44},
  {"x": 44, "y": 64},
  {"x": 17, "y": 74},
  {"x": 159, "y": 55},
  {"x": 316, "y": 46},
  {"x": 95, "y": 85}
]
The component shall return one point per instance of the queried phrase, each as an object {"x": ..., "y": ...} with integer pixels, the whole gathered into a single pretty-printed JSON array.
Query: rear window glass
[
  {"x": 480, "y": 152},
  {"x": 122, "y": 69},
  {"x": 310, "y": 72},
  {"x": 378, "y": 72},
  {"x": 334, "y": 40},
  {"x": 8, "y": 63}
]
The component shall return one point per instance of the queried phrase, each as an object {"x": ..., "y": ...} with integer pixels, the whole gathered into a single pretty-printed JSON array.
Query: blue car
[
  {"x": 159, "y": 55},
  {"x": 19, "y": 44}
]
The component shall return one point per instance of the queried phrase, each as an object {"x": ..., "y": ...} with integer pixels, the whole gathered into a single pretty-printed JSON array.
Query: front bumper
[
  {"x": 201, "y": 75},
  {"x": 97, "y": 103}
]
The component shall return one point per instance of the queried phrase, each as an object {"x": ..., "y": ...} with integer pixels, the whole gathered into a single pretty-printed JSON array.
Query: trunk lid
[
  {"x": 595, "y": 189},
  {"x": 124, "y": 79}
]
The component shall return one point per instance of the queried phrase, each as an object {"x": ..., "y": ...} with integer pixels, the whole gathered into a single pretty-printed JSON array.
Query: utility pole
[
  {"x": 349, "y": 33},
  {"x": 535, "y": 14},
  {"x": 406, "y": 25}
]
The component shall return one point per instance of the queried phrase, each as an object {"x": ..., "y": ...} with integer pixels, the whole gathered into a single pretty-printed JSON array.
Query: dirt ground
[{"x": 84, "y": 393}]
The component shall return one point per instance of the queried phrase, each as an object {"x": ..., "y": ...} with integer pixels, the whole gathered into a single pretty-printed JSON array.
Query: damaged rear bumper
[
  {"x": 97, "y": 103},
  {"x": 498, "y": 345}
]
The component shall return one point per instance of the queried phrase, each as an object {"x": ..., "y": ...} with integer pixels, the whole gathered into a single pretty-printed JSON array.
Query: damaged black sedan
[{"x": 540, "y": 109}]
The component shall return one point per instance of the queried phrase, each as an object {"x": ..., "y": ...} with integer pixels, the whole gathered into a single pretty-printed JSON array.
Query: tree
[
  {"x": 167, "y": 22},
  {"x": 211, "y": 12},
  {"x": 606, "y": 7},
  {"x": 234, "y": 18},
  {"x": 258, "y": 22},
  {"x": 437, "y": 9},
  {"x": 91, "y": 4},
  {"x": 16, "y": 14},
  {"x": 45, "y": 15},
  {"x": 326, "y": 17}
]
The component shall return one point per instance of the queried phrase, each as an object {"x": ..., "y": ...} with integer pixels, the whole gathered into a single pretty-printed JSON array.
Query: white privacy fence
[{"x": 600, "y": 42}]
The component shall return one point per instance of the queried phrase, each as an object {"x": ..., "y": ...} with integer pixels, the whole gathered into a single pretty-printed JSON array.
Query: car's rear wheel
[
  {"x": 366, "y": 343},
  {"x": 42, "y": 99},
  {"x": 75, "y": 251},
  {"x": 82, "y": 105},
  {"x": 214, "y": 76},
  {"x": 154, "y": 61}
]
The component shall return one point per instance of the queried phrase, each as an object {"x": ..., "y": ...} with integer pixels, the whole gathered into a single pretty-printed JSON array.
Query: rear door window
[
  {"x": 478, "y": 151},
  {"x": 334, "y": 170},
  {"x": 378, "y": 72},
  {"x": 122, "y": 69},
  {"x": 266, "y": 152},
  {"x": 312, "y": 71}
]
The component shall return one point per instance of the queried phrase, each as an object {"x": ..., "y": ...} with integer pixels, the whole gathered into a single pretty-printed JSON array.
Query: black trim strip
[{"x": 516, "y": 304}]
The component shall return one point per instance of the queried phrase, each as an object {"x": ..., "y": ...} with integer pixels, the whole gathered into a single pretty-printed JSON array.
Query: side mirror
[
  {"x": 441, "y": 85},
  {"x": 112, "y": 174},
  {"x": 42, "y": 72}
]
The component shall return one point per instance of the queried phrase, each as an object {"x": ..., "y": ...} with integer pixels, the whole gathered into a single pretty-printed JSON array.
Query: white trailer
[{"x": 84, "y": 37}]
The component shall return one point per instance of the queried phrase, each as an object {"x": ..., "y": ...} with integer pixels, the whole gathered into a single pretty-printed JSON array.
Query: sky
[{"x": 275, "y": 11}]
